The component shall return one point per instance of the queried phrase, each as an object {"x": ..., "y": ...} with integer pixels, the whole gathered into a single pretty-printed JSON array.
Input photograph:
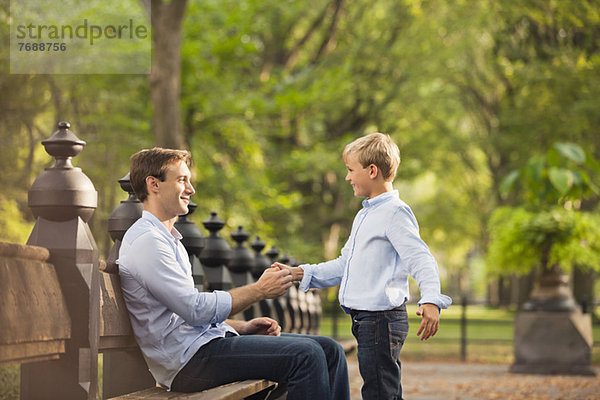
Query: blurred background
[{"x": 494, "y": 105}]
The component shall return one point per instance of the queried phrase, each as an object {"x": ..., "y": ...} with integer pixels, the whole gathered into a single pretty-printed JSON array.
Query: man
[{"x": 185, "y": 335}]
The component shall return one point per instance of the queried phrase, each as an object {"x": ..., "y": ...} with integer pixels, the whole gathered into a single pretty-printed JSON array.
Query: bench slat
[{"x": 232, "y": 391}]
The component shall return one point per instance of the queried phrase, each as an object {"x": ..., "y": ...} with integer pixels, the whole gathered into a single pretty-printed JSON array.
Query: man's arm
[{"x": 272, "y": 283}]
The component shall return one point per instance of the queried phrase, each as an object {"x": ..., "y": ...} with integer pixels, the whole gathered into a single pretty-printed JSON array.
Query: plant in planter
[
  {"x": 550, "y": 233},
  {"x": 552, "y": 240}
]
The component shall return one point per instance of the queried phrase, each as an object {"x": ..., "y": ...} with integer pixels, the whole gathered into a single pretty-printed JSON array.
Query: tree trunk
[{"x": 165, "y": 76}]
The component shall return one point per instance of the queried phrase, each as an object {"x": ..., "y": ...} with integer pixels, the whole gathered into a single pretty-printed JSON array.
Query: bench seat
[{"x": 231, "y": 391}]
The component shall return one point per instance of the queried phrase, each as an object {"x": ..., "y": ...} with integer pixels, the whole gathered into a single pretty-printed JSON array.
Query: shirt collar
[
  {"x": 156, "y": 222},
  {"x": 385, "y": 196}
]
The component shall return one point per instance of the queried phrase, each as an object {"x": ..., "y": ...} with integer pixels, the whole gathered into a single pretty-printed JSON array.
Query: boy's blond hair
[{"x": 375, "y": 148}]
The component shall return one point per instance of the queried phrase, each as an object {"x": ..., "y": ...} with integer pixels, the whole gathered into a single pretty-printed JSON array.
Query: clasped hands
[{"x": 275, "y": 281}]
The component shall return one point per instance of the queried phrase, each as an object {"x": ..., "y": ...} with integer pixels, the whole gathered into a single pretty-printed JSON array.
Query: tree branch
[{"x": 325, "y": 44}]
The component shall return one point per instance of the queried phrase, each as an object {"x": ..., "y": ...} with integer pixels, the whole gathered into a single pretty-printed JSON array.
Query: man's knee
[
  {"x": 310, "y": 351},
  {"x": 331, "y": 347}
]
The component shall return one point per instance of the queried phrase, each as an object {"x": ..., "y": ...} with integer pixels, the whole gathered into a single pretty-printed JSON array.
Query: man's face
[{"x": 176, "y": 189}]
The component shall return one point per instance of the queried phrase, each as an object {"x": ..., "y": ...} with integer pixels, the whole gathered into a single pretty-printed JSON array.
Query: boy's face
[{"x": 361, "y": 178}]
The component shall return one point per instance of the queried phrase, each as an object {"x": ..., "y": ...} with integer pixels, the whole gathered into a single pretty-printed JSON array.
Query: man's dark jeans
[
  {"x": 314, "y": 367},
  {"x": 380, "y": 336}
]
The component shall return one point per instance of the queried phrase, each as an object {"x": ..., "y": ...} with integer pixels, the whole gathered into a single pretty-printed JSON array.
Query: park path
[{"x": 426, "y": 380}]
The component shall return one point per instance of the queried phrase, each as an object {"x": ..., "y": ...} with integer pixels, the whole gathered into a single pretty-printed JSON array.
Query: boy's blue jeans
[
  {"x": 314, "y": 367},
  {"x": 380, "y": 336}
]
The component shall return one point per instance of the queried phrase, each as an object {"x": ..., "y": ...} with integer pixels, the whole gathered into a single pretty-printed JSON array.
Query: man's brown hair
[
  {"x": 375, "y": 148},
  {"x": 152, "y": 162}
]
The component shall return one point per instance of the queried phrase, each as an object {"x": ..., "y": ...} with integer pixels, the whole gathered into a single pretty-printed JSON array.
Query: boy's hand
[
  {"x": 431, "y": 320},
  {"x": 297, "y": 272}
]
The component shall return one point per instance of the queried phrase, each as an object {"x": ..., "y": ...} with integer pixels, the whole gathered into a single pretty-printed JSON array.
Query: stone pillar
[
  {"x": 215, "y": 256},
  {"x": 63, "y": 199},
  {"x": 261, "y": 262},
  {"x": 193, "y": 241},
  {"x": 553, "y": 343},
  {"x": 241, "y": 264},
  {"x": 552, "y": 335},
  {"x": 123, "y": 371},
  {"x": 281, "y": 303}
]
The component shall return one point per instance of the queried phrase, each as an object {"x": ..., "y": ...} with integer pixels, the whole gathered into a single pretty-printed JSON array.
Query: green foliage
[
  {"x": 522, "y": 240},
  {"x": 13, "y": 228},
  {"x": 549, "y": 229},
  {"x": 563, "y": 175},
  {"x": 9, "y": 382}
]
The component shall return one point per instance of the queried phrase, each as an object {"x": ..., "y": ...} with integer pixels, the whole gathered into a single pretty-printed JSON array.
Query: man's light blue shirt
[
  {"x": 171, "y": 320},
  {"x": 383, "y": 249}
]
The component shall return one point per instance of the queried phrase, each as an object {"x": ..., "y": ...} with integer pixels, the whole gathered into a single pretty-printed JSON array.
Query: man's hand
[
  {"x": 274, "y": 282},
  {"x": 260, "y": 326},
  {"x": 431, "y": 320},
  {"x": 297, "y": 272}
]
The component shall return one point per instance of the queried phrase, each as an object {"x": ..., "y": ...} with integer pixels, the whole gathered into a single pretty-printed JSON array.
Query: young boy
[{"x": 383, "y": 249}]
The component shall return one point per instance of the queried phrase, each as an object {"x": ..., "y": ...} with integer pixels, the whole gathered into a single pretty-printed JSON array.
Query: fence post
[
  {"x": 216, "y": 255},
  {"x": 193, "y": 241},
  {"x": 280, "y": 303},
  {"x": 463, "y": 330},
  {"x": 240, "y": 266},
  {"x": 292, "y": 302},
  {"x": 63, "y": 199}
]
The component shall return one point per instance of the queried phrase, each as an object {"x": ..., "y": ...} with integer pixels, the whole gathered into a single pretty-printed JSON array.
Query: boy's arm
[
  {"x": 318, "y": 276},
  {"x": 403, "y": 234}
]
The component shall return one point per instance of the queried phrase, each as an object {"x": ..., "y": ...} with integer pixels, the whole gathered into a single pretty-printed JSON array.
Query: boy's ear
[
  {"x": 373, "y": 171},
  {"x": 152, "y": 184}
]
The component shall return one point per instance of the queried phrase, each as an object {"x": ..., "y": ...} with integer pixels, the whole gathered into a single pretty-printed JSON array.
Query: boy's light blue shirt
[
  {"x": 171, "y": 320},
  {"x": 383, "y": 249}
]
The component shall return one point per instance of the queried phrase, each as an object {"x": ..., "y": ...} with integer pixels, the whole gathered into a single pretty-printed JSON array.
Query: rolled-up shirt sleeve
[
  {"x": 322, "y": 275},
  {"x": 167, "y": 281},
  {"x": 326, "y": 274}
]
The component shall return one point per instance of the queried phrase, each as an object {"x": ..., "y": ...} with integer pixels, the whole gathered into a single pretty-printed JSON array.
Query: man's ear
[
  {"x": 373, "y": 171},
  {"x": 152, "y": 184}
]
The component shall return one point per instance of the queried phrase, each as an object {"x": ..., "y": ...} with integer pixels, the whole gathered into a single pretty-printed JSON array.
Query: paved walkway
[{"x": 469, "y": 381}]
